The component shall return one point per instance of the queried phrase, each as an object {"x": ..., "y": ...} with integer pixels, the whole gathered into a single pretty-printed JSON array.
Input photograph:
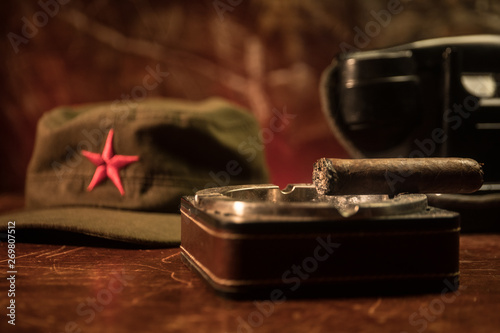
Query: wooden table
[{"x": 61, "y": 288}]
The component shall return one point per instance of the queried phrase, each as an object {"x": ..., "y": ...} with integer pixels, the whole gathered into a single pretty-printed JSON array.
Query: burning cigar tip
[{"x": 324, "y": 176}]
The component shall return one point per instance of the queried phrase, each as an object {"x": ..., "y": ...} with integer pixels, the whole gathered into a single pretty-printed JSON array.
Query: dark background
[{"x": 261, "y": 54}]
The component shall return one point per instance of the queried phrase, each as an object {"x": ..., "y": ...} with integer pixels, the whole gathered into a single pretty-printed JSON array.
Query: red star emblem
[{"x": 108, "y": 164}]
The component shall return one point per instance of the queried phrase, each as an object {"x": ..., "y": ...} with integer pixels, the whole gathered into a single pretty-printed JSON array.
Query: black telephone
[{"x": 436, "y": 97}]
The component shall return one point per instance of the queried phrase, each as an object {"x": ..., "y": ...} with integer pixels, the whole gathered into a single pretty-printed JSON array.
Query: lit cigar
[{"x": 333, "y": 176}]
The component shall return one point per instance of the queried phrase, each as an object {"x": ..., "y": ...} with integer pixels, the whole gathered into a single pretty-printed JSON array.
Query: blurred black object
[
  {"x": 431, "y": 98},
  {"x": 436, "y": 97}
]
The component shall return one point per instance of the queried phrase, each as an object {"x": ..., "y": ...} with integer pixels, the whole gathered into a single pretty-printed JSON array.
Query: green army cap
[{"x": 118, "y": 171}]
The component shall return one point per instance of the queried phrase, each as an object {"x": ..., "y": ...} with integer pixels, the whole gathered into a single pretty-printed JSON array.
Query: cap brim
[{"x": 140, "y": 228}]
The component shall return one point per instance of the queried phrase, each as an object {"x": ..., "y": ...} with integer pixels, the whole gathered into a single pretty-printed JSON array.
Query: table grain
[{"x": 62, "y": 288}]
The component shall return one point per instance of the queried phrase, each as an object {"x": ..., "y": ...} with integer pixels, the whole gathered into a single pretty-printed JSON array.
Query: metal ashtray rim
[{"x": 302, "y": 200}]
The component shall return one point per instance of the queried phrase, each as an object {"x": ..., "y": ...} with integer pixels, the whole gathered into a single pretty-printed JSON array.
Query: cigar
[{"x": 391, "y": 176}]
